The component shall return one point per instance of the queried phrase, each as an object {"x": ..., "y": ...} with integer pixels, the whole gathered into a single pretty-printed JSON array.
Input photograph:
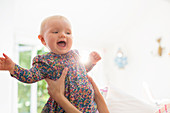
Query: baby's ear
[{"x": 42, "y": 39}]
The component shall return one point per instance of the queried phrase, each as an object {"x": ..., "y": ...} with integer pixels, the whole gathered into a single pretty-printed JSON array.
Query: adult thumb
[
  {"x": 64, "y": 73},
  {"x": 48, "y": 81}
]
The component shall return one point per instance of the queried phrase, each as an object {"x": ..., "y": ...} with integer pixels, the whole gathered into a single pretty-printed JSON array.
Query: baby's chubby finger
[
  {"x": 5, "y": 55},
  {"x": 97, "y": 58},
  {"x": 92, "y": 53},
  {"x": 95, "y": 54},
  {"x": 2, "y": 59}
]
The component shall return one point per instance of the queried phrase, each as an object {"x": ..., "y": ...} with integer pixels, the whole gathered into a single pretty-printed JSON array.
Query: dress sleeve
[{"x": 40, "y": 70}]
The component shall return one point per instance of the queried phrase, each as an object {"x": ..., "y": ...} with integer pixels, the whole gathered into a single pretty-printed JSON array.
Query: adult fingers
[
  {"x": 89, "y": 78},
  {"x": 92, "y": 82},
  {"x": 49, "y": 92},
  {"x": 64, "y": 73},
  {"x": 49, "y": 82}
]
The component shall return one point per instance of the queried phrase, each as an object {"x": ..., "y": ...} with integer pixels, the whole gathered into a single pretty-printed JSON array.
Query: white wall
[
  {"x": 150, "y": 20},
  {"x": 133, "y": 25},
  {"x": 7, "y": 85}
]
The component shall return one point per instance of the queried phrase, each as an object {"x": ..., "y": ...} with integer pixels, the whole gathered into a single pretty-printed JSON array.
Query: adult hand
[
  {"x": 56, "y": 91},
  {"x": 56, "y": 88}
]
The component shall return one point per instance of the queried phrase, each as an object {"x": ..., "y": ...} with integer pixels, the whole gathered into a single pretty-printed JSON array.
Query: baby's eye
[
  {"x": 68, "y": 33},
  {"x": 55, "y": 32}
]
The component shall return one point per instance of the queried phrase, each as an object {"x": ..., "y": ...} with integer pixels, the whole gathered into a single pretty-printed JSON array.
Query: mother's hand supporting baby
[{"x": 56, "y": 91}]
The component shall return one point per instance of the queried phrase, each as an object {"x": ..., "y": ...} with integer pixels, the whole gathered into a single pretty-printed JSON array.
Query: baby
[{"x": 56, "y": 35}]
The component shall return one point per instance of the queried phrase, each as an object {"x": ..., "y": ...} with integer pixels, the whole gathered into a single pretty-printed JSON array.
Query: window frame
[{"x": 18, "y": 39}]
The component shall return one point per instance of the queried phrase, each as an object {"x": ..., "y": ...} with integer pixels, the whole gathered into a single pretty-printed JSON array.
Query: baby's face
[{"x": 58, "y": 35}]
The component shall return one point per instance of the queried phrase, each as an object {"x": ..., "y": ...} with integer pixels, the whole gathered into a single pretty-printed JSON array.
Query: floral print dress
[{"x": 78, "y": 89}]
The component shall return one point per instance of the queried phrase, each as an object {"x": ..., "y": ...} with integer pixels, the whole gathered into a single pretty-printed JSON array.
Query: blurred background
[{"x": 132, "y": 37}]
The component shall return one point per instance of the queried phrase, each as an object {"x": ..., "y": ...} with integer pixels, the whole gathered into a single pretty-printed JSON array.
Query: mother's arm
[{"x": 101, "y": 105}]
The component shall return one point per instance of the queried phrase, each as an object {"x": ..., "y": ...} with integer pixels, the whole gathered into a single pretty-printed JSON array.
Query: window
[{"x": 31, "y": 97}]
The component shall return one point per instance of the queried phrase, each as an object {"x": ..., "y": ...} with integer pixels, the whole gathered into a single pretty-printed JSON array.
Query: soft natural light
[
  {"x": 84, "y": 56},
  {"x": 103, "y": 26}
]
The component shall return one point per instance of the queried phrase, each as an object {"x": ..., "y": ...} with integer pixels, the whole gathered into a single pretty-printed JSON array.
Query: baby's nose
[{"x": 62, "y": 35}]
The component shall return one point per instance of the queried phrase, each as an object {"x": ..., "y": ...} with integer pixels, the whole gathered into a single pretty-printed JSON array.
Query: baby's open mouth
[{"x": 61, "y": 43}]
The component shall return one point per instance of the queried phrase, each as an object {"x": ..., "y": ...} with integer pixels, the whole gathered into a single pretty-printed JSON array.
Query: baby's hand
[
  {"x": 6, "y": 63},
  {"x": 94, "y": 57}
]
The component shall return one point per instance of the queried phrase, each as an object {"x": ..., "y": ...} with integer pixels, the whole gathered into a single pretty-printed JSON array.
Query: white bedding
[{"x": 120, "y": 102}]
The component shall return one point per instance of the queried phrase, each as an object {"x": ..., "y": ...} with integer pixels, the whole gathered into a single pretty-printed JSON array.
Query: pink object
[
  {"x": 159, "y": 110},
  {"x": 166, "y": 108}
]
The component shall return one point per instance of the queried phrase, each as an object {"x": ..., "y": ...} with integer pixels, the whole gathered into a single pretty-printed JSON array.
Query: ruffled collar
[{"x": 66, "y": 55}]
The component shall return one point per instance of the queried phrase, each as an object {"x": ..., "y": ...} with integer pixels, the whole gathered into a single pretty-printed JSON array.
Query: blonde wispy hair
[{"x": 46, "y": 20}]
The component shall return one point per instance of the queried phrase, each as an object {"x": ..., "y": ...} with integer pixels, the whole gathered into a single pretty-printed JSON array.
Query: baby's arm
[
  {"x": 94, "y": 58},
  {"x": 32, "y": 75}
]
